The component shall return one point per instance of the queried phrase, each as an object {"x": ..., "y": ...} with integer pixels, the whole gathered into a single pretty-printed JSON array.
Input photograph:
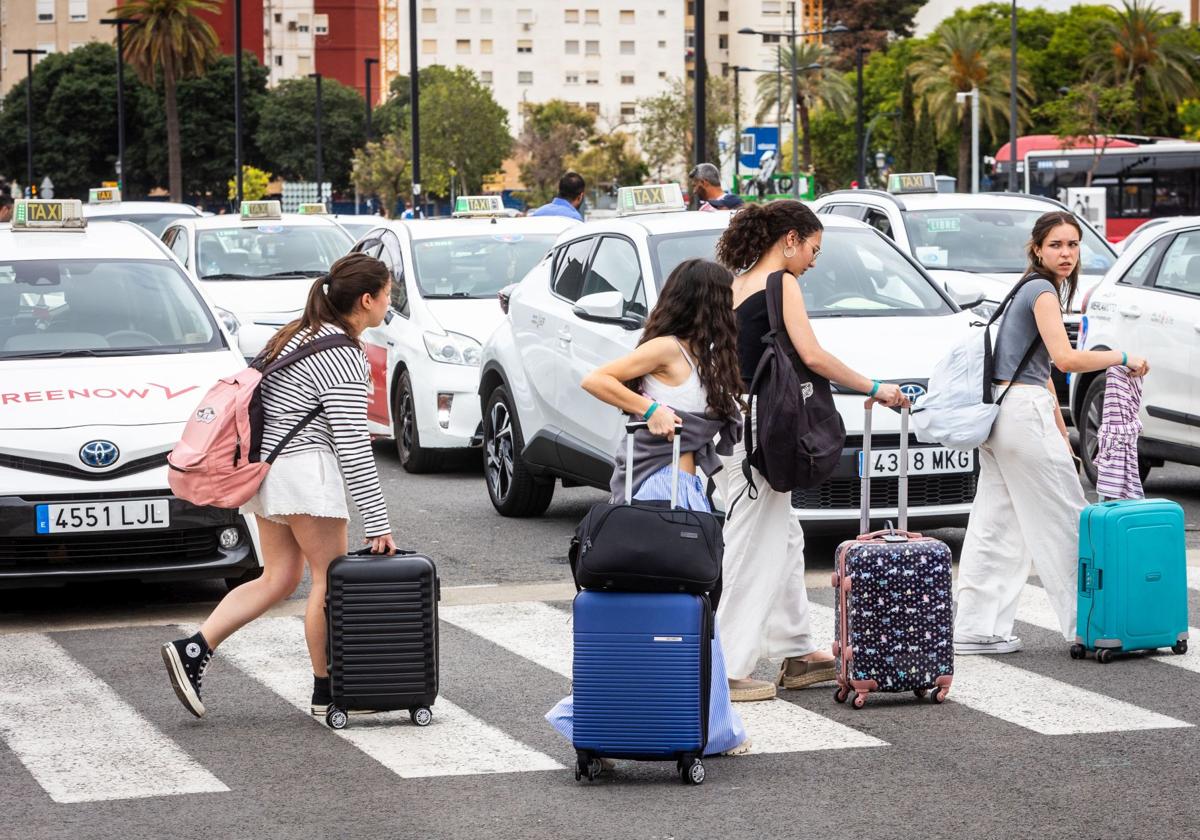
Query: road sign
[{"x": 755, "y": 140}]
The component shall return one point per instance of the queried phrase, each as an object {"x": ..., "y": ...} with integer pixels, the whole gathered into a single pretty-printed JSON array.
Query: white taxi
[
  {"x": 258, "y": 266},
  {"x": 1149, "y": 304},
  {"x": 105, "y": 348},
  {"x": 106, "y": 203},
  {"x": 585, "y": 303},
  {"x": 425, "y": 357}
]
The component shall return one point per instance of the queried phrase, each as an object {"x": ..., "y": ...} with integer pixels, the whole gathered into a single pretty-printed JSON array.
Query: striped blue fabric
[{"x": 725, "y": 727}]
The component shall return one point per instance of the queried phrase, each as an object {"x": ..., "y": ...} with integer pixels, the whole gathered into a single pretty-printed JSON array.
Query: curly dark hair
[
  {"x": 1037, "y": 237},
  {"x": 696, "y": 306},
  {"x": 756, "y": 227}
]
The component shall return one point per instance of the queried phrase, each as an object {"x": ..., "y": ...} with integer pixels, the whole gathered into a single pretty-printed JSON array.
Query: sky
[{"x": 935, "y": 10}]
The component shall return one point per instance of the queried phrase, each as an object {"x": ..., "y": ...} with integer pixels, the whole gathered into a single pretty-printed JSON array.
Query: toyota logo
[
  {"x": 913, "y": 390},
  {"x": 99, "y": 453}
]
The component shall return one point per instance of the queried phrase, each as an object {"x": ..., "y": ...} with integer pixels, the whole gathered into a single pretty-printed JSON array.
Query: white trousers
[
  {"x": 1026, "y": 511},
  {"x": 764, "y": 605}
]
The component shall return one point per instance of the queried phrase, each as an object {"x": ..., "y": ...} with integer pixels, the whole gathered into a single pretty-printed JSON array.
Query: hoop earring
[{"x": 788, "y": 256}]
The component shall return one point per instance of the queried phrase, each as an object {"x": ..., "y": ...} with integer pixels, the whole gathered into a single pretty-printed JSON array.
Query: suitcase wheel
[
  {"x": 840, "y": 695},
  {"x": 336, "y": 718},
  {"x": 1078, "y": 652},
  {"x": 859, "y": 700},
  {"x": 421, "y": 715},
  {"x": 587, "y": 767},
  {"x": 939, "y": 694},
  {"x": 1180, "y": 647},
  {"x": 1104, "y": 656},
  {"x": 920, "y": 693},
  {"x": 692, "y": 773}
]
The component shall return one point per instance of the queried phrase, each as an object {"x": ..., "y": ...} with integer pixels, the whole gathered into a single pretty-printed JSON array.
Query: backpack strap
[
  {"x": 305, "y": 350},
  {"x": 989, "y": 359}
]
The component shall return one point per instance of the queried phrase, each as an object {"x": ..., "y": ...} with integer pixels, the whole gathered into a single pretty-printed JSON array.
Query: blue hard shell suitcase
[
  {"x": 893, "y": 611},
  {"x": 641, "y": 672},
  {"x": 1132, "y": 579}
]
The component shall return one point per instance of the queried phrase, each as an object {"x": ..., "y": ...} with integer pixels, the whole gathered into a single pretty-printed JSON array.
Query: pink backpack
[{"x": 216, "y": 462}]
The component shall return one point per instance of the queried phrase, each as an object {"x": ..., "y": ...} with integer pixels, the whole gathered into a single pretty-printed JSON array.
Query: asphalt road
[{"x": 93, "y": 743}]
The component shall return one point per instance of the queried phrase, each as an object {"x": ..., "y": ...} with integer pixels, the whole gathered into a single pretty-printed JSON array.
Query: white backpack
[{"x": 958, "y": 409}]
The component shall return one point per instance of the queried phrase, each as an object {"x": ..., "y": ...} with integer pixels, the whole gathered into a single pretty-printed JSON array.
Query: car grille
[
  {"x": 34, "y": 465},
  {"x": 107, "y": 550},
  {"x": 923, "y": 491}
]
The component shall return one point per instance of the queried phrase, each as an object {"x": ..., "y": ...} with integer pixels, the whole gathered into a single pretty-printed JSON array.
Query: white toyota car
[
  {"x": 585, "y": 303},
  {"x": 106, "y": 347},
  {"x": 257, "y": 267},
  {"x": 425, "y": 357}
]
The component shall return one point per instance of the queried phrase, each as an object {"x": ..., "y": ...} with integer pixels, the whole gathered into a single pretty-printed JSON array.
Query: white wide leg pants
[
  {"x": 764, "y": 604},
  {"x": 1026, "y": 511}
]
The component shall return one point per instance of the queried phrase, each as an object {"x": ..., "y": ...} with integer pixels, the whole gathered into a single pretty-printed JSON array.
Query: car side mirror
[
  {"x": 964, "y": 297},
  {"x": 607, "y": 308},
  {"x": 389, "y": 315}
]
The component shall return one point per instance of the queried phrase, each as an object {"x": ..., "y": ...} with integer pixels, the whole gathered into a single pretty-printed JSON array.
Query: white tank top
[{"x": 690, "y": 395}]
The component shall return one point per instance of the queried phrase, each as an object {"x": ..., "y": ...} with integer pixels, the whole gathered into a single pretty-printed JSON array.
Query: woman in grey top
[{"x": 1027, "y": 506}]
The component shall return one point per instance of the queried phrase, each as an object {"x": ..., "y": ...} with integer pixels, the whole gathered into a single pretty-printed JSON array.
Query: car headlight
[
  {"x": 453, "y": 348},
  {"x": 986, "y": 309},
  {"x": 228, "y": 319}
]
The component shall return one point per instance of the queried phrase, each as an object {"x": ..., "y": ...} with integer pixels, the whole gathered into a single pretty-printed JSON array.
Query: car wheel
[
  {"x": 413, "y": 457},
  {"x": 513, "y": 489},
  {"x": 1089, "y": 430}
]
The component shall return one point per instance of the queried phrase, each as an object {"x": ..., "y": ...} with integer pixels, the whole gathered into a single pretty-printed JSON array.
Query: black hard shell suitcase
[
  {"x": 894, "y": 629},
  {"x": 381, "y": 612}
]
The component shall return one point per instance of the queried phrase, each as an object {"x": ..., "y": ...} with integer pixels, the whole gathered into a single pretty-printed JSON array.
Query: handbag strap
[
  {"x": 989, "y": 359},
  {"x": 305, "y": 350}
]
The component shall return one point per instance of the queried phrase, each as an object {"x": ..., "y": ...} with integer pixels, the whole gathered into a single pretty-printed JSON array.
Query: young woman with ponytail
[
  {"x": 301, "y": 505},
  {"x": 764, "y": 605}
]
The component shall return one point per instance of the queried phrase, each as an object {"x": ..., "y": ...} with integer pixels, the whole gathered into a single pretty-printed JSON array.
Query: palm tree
[
  {"x": 815, "y": 88},
  {"x": 169, "y": 37},
  {"x": 959, "y": 59},
  {"x": 1143, "y": 49}
]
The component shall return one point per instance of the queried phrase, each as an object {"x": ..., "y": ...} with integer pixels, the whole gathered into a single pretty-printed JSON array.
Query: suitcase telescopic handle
[
  {"x": 864, "y": 472},
  {"x": 630, "y": 429}
]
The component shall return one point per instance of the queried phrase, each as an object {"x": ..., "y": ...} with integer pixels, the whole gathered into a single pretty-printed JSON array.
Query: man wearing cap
[
  {"x": 570, "y": 196},
  {"x": 706, "y": 186}
]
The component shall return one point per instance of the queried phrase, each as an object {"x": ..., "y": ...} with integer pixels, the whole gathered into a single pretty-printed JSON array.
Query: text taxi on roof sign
[
  {"x": 259, "y": 211},
  {"x": 902, "y": 183},
  {"x": 46, "y": 214},
  {"x": 480, "y": 207},
  {"x": 104, "y": 195},
  {"x": 314, "y": 208},
  {"x": 652, "y": 198}
]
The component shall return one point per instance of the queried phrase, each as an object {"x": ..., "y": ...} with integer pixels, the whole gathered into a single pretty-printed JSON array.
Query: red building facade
[{"x": 353, "y": 36}]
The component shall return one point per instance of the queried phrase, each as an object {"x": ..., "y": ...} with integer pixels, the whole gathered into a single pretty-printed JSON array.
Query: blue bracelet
[
  {"x": 1124, "y": 360},
  {"x": 653, "y": 407},
  {"x": 875, "y": 388}
]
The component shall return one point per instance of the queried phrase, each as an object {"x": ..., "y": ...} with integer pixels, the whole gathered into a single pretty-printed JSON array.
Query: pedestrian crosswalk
[{"x": 504, "y": 665}]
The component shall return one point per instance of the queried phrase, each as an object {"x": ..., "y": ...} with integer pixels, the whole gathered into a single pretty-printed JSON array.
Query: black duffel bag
[{"x": 648, "y": 546}]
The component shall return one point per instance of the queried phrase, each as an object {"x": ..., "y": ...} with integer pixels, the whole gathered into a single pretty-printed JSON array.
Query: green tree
[
  {"x": 392, "y": 115},
  {"x": 871, "y": 23},
  {"x": 906, "y": 135},
  {"x": 1090, "y": 112},
  {"x": 959, "y": 58},
  {"x": 924, "y": 156},
  {"x": 169, "y": 37},
  {"x": 668, "y": 121},
  {"x": 384, "y": 168},
  {"x": 464, "y": 131},
  {"x": 553, "y": 131},
  {"x": 609, "y": 161},
  {"x": 1147, "y": 51},
  {"x": 287, "y": 133},
  {"x": 835, "y": 164},
  {"x": 1188, "y": 112},
  {"x": 254, "y": 184},
  {"x": 815, "y": 89}
]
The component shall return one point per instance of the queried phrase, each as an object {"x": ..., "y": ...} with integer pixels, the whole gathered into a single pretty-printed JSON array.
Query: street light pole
[
  {"x": 858, "y": 118},
  {"x": 737, "y": 129},
  {"x": 237, "y": 97},
  {"x": 795, "y": 114},
  {"x": 1012, "y": 102},
  {"x": 29, "y": 54},
  {"x": 367, "y": 62},
  {"x": 120, "y": 23},
  {"x": 415, "y": 116},
  {"x": 701, "y": 84},
  {"x": 320, "y": 168}
]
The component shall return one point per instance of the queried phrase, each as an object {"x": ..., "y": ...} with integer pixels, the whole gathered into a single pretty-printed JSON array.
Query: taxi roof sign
[
  {"x": 48, "y": 214},
  {"x": 466, "y": 206},
  {"x": 652, "y": 198},
  {"x": 104, "y": 195},
  {"x": 315, "y": 208},
  {"x": 256, "y": 211},
  {"x": 901, "y": 183}
]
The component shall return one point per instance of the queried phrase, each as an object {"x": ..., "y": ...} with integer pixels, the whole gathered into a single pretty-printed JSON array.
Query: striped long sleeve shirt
[{"x": 337, "y": 379}]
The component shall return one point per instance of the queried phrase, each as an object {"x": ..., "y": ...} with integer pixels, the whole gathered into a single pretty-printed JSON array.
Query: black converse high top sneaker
[{"x": 186, "y": 660}]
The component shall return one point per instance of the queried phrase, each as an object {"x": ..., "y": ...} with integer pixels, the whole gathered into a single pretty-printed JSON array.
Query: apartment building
[{"x": 51, "y": 25}]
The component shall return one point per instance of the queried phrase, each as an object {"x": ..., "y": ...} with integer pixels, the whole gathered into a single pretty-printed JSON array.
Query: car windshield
[
  {"x": 988, "y": 240},
  {"x": 476, "y": 266},
  {"x": 269, "y": 251},
  {"x": 156, "y": 223},
  {"x": 101, "y": 308},
  {"x": 859, "y": 273},
  {"x": 359, "y": 229}
]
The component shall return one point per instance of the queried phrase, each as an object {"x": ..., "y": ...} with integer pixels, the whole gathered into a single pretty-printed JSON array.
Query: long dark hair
[
  {"x": 1037, "y": 237},
  {"x": 696, "y": 307},
  {"x": 756, "y": 227},
  {"x": 332, "y": 298}
]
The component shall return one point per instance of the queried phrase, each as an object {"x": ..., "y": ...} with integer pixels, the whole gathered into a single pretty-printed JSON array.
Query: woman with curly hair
[
  {"x": 683, "y": 373},
  {"x": 764, "y": 606}
]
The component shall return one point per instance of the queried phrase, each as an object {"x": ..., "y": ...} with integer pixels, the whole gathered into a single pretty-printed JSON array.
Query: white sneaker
[{"x": 987, "y": 644}]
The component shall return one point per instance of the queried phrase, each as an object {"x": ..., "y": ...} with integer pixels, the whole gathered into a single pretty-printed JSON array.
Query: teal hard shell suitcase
[{"x": 1132, "y": 579}]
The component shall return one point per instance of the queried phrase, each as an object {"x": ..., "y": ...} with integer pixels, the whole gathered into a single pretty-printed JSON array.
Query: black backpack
[{"x": 794, "y": 434}]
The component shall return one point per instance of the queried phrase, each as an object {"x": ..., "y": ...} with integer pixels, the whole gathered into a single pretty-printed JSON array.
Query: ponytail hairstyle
[
  {"x": 756, "y": 227},
  {"x": 332, "y": 298},
  {"x": 696, "y": 307},
  {"x": 1037, "y": 238}
]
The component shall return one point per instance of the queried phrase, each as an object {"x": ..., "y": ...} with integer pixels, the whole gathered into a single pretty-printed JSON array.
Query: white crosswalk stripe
[
  {"x": 271, "y": 650},
  {"x": 78, "y": 738},
  {"x": 542, "y": 634},
  {"x": 1039, "y": 703}
]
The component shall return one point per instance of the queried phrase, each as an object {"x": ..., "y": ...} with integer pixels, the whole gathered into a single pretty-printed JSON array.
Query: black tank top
[{"x": 753, "y": 324}]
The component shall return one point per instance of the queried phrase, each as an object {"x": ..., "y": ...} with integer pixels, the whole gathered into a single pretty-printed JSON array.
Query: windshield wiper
[
  {"x": 227, "y": 277},
  {"x": 300, "y": 273},
  {"x": 97, "y": 353},
  {"x": 435, "y": 296},
  {"x": 52, "y": 354}
]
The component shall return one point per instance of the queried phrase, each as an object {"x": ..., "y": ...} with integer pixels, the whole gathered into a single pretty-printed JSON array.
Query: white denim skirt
[{"x": 308, "y": 483}]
